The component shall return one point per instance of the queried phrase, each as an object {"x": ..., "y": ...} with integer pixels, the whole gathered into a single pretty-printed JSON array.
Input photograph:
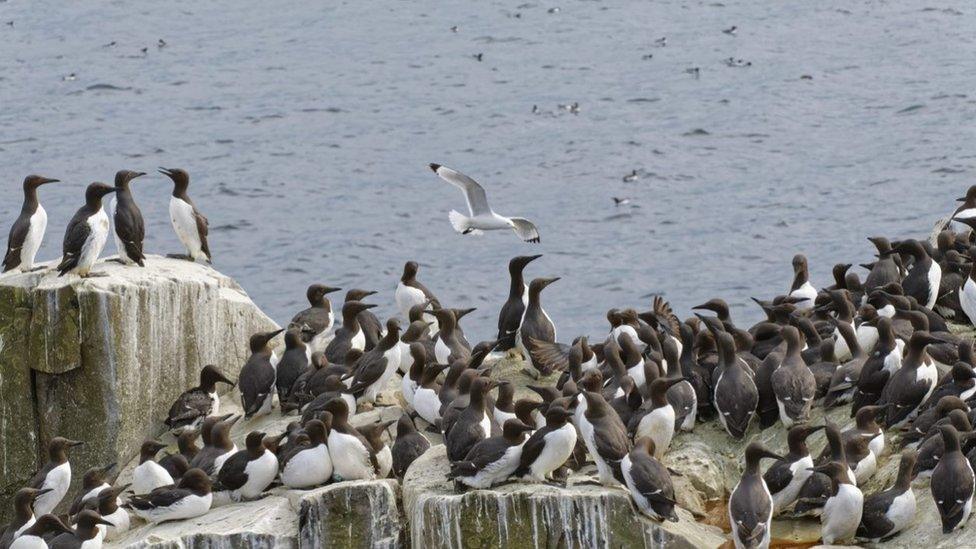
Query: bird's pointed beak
[{"x": 165, "y": 171}]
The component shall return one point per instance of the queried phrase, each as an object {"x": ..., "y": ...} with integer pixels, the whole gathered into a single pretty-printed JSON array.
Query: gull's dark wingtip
[{"x": 434, "y": 167}]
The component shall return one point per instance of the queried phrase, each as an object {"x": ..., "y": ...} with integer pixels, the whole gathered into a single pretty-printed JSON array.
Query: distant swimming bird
[
  {"x": 316, "y": 321},
  {"x": 86, "y": 233},
  {"x": 190, "y": 225},
  {"x": 631, "y": 177},
  {"x": 54, "y": 476},
  {"x": 189, "y": 409},
  {"x": 130, "y": 228},
  {"x": 661, "y": 42},
  {"x": 618, "y": 201},
  {"x": 257, "y": 378},
  {"x": 482, "y": 217},
  {"x": 731, "y": 30},
  {"x": 27, "y": 232},
  {"x": 190, "y": 499}
]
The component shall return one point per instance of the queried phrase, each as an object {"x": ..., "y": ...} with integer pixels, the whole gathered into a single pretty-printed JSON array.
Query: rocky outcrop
[
  {"x": 101, "y": 359},
  {"x": 534, "y": 515}
]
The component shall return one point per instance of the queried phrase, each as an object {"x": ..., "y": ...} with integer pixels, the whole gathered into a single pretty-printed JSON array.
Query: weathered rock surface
[
  {"x": 533, "y": 515},
  {"x": 101, "y": 359}
]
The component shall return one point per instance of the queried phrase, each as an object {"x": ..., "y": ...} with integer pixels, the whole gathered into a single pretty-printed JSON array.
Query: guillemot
[
  {"x": 193, "y": 405},
  {"x": 190, "y": 225},
  {"x": 910, "y": 385},
  {"x": 310, "y": 464},
  {"x": 130, "y": 228},
  {"x": 548, "y": 448},
  {"x": 536, "y": 325},
  {"x": 256, "y": 382},
  {"x": 750, "y": 505},
  {"x": 352, "y": 456},
  {"x": 410, "y": 292},
  {"x": 94, "y": 482},
  {"x": 473, "y": 424},
  {"x": 649, "y": 482},
  {"x": 191, "y": 498},
  {"x": 786, "y": 477},
  {"x": 350, "y": 336},
  {"x": 843, "y": 508},
  {"x": 793, "y": 382},
  {"x": 492, "y": 460},
  {"x": 24, "y": 516},
  {"x": 890, "y": 511},
  {"x": 377, "y": 366},
  {"x": 212, "y": 456},
  {"x": 86, "y": 233},
  {"x": 54, "y": 476},
  {"x": 736, "y": 396},
  {"x": 605, "y": 437},
  {"x": 802, "y": 290},
  {"x": 878, "y": 368},
  {"x": 46, "y": 527},
  {"x": 408, "y": 446},
  {"x": 658, "y": 424},
  {"x": 952, "y": 483},
  {"x": 149, "y": 475},
  {"x": 315, "y": 322},
  {"x": 923, "y": 279},
  {"x": 510, "y": 316},
  {"x": 27, "y": 232},
  {"x": 449, "y": 345},
  {"x": 248, "y": 472}
]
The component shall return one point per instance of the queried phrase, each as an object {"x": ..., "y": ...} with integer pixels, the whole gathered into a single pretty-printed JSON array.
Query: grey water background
[{"x": 307, "y": 127}]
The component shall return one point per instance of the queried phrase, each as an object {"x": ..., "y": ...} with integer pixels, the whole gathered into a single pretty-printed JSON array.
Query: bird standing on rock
[
  {"x": 510, "y": 317},
  {"x": 190, "y": 225},
  {"x": 193, "y": 405},
  {"x": 257, "y": 379},
  {"x": 54, "y": 478},
  {"x": 750, "y": 505},
  {"x": 27, "y": 232},
  {"x": 649, "y": 481},
  {"x": 130, "y": 228},
  {"x": 315, "y": 322},
  {"x": 536, "y": 326},
  {"x": 86, "y": 234}
]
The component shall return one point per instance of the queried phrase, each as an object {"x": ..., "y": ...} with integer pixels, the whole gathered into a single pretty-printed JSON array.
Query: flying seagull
[{"x": 482, "y": 217}]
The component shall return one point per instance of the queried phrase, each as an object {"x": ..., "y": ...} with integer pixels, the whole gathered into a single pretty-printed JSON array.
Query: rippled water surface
[{"x": 307, "y": 129}]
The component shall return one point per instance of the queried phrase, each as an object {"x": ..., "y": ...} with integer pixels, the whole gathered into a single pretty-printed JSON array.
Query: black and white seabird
[
  {"x": 187, "y": 445},
  {"x": 86, "y": 534},
  {"x": 912, "y": 384},
  {"x": 94, "y": 482},
  {"x": 890, "y": 511},
  {"x": 965, "y": 211},
  {"x": 605, "y": 437},
  {"x": 27, "y": 232},
  {"x": 793, "y": 382},
  {"x": 842, "y": 511},
  {"x": 658, "y": 424},
  {"x": 33, "y": 537},
  {"x": 548, "y": 448},
  {"x": 409, "y": 445},
  {"x": 649, "y": 481},
  {"x": 257, "y": 378},
  {"x": 247, "y": 473},
  {"x": 374, "y": 433},
  {"x": 190, "y": 225},
  {"x": 410, "y": 292},
  {"x": 308, "y": 465},
  {"x": 189, "y": 409},
  {"x": 736, "y": 395},
  {"x": 492, "y": 460},
  {"x": 149, "y": 475},
  {"x": 376, "y": 367},
  {"x": 953, "y": 482},
  {"x": 510, "y": 317},
  {"x": 844, "y": 380},
  {"x": 786, "y": 477},
  {"x": 191, "y": 498},
  {"x": 315, "y": 322},
  {"x": 932, "y": 448},
  {"x": 350, "y": 336},
  {"x": 293, "y": 363},
  {"x": 883, "y": 361},
  {"x": 482, "y": 217},
  {"x": 426, "y": 400},
  {"x": 885, "y": 270},
  {"x": 967, "y": 294},
  {"x": 802, "y": 290},
  {"x": 109, "y": 506},
  {"x": 923, "y": 279},
  {"x": 54, "y": 476},
  {"x": 130, "y": 228},
  {"x": 212, "y": 456},
  {"x": 750, "y": 505},
  {"x": 86, "y": 234},
  {"x": 473, "y": 424},
  {"x": 352, "y": 455},
  {"x": 536, "y": 325},
  {"x": 23, "y": 515},
  {"x": 449, "y": 346},
  {"x": 817, "y": 488}
]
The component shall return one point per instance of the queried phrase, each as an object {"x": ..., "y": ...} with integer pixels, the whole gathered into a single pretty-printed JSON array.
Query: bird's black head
[
  {"x": 34, "y": 181},
  {"x": 123, "y": 177},
  {"x": 95, "y": 192},
  {"x": 181, "y": 179}
]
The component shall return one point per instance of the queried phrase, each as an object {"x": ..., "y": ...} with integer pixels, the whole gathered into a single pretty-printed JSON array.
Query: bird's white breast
[
  {"x": 185, "y": 225},
  {"x": 35, "y": 235},
  {"x": 350, "y": 458},
  {"x": 58, "y": 480},
  {"x": 307, "y": 468},
  {"x": 148, "y": 476}
]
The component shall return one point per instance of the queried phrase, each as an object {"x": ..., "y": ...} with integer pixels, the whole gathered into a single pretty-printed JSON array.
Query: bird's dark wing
[
  {"x": 531, "y": 450},
  {"x": 203, "y": 229},
  {"x": 189, "y": 406},
  {"x": 232, "y": 473},
  {"x": 160, "y": 497},
  {"x": 874, "y": 523},
  {"x": 131, "y": 229},
  {"x": 652, "y": 480},
  {"x": 778, "y": 476},
  {"x": 74, "y": 239},
  {"x": 552, "y": 357},
  {"x": 18, "y": 234}
]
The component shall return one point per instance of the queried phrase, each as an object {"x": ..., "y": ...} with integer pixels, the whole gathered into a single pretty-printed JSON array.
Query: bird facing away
[{"x": 482, "y": 217}]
